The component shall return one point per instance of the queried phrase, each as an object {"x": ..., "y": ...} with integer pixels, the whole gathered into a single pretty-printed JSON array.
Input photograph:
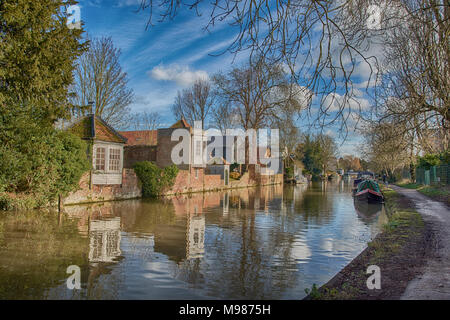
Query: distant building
[
  {"x": 141, "y": 145},
  {"x": 141, "y": 137}
]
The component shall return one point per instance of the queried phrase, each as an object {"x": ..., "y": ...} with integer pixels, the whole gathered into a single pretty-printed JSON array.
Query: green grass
[
  {"x": 440, "y": 193},
  {"x": 409, "y": 185}
]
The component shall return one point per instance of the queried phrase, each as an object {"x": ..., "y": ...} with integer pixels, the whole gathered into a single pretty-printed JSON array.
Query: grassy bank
[
  {"x": 439, "y": 193},
  {"x": 399, "y": 250}
]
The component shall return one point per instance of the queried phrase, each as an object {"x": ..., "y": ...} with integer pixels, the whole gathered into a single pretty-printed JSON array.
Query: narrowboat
[{"x": 368, "y": 190}]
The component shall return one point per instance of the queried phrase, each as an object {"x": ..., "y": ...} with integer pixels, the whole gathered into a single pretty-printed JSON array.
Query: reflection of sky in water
[{"x": 265, "y": 243}]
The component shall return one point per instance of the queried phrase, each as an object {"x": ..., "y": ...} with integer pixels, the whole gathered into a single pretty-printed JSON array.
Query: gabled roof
[
  {"x": 93, "y": 127},
  {"x": 141, "y": 137},
  {"x": 181, "y": 124},
  {"x": 217, "y": 160}
]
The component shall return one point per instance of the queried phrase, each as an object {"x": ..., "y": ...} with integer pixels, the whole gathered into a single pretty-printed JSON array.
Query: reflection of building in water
[
  {"x": 195, "y": 237},
  {"x": 226, "y": 203},
  {"x": 104, "y": 240}
]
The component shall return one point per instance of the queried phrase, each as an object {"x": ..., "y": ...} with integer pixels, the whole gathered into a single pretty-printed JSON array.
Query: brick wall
[
  {"x": 164, "y": 149},
  {"x": 188, "y": 181},
  {"x": 130, "y": 188},
  {"x": 133, "y": 154}
]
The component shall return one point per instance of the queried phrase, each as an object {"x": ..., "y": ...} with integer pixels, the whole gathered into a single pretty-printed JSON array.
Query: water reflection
[
  {"x": 104, "y": 240},
  {"x": 257, "y": 243}
]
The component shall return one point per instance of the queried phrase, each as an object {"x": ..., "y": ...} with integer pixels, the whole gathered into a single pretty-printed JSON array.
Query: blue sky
[{"x": 168, "y": 56}]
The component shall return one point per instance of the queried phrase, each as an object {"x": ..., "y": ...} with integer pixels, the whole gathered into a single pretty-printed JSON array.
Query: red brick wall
[
  {"x": 213, "y": 182},
  {"x": 186, "y": 181},
  {"x": 130, "y": 188},
  {"x": 133, "y": 154}
]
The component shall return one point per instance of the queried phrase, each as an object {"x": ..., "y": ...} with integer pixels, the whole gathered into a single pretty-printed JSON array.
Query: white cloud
[
  {"x": 182, "y": 75},
  {"x": 336, "y": 102},
  {"x": 127, "y": 3}
]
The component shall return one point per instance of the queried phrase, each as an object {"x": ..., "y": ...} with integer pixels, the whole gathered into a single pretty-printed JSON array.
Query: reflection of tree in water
[
  {"x": 316, "y": 205},
  {"x": 36, "y": 247},
  {"x": 236, "y": 265}
]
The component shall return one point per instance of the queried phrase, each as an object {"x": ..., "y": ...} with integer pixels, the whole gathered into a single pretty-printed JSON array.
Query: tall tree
[
  {"x": 37, "y": 52},
  {"x": 416, "y": 71},
  {"x": 258, "y": 93},
  {"x": 37, "y": 55},
  {"x": 99, "y": 78},
  {"x": 317, "y": 152},
  {"x": 387, "y": 147},
  {"x": 195, "y": 103}
]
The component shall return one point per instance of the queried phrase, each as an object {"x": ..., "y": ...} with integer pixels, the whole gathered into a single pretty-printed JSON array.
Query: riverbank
[
  {"x": 434, "y": 283},
  {"x": 438, "y": 193},
  {"x": 400, "y": 251}
]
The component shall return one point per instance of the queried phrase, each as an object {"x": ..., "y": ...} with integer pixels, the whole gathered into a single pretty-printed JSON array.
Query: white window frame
[
  {"x": 105, "y": 152},
  {"x": 110, "y": 149}
]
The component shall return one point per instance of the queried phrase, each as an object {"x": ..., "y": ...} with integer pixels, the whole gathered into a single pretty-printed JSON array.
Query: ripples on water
[{"x": 257, "y": 243}]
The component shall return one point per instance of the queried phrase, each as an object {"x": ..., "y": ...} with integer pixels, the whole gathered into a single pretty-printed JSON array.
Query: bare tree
[
  {"x": 99, "y": 78},
  {"x": 222, "y": 119},
  {"x": 327, "y": 44},
  {"x": 289, "y": 138},
  {"x": 386, "y": 146},
  {"x": 145, "y": 120},
  {"x": 416, "y": 72},
  {"x": 257, "y": 93},
  {"x": 321, "y": 42},
  {"x": 195, "y": 103}
]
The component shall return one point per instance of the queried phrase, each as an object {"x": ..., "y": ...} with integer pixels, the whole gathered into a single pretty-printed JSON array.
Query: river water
[{"x": 257, "y": 243}]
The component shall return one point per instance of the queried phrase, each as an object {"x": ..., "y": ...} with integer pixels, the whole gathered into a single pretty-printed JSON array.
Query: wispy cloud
[
  {"x": 182, "y": 75},
  {"x": 128, "y": 3}
]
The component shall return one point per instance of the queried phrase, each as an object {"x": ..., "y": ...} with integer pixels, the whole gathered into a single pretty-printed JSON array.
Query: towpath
[{"x": 435, "y": 282}]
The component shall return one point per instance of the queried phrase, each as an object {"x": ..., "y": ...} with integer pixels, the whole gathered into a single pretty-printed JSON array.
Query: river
[{"x": 258, "y": 243}]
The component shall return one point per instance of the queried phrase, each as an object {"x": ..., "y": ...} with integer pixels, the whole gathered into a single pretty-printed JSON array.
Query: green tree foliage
[
  {"x": 154, "y": 179},
  {"x": 317, "y": 152},
  {"x": 37, "y": 56},
  {"x": 430, "y": 160},
  {"x": 41, "y": 162}
]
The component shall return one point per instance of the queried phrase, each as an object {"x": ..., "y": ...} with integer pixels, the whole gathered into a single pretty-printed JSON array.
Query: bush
[
  {"x": 154, "y": 179},
  {"x": 40, "y": 163},
  {"x": 289, "y": 172}
]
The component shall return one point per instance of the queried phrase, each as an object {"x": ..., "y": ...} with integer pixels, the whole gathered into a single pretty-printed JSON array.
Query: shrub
[
  {"x": 154, "y": 179},
  {"x": 40, "y": 163},
  {"x": 289, "y": 172}
]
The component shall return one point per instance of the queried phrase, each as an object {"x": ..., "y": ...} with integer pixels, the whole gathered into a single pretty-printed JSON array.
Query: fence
[{"x": 435, "y": 175}]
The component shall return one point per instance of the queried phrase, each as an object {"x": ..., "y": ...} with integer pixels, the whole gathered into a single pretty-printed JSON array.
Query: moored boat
[{"x": 368, "y": 190}]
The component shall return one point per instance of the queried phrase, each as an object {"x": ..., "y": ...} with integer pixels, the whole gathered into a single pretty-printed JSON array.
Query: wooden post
[{"x": 60, "y": 203}]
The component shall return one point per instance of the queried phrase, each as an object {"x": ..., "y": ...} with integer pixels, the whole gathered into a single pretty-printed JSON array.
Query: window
[
  {"x": 100, "y": 158},
  {"x": 114, "y": 159},
  {"x": 198, "y": 148}
]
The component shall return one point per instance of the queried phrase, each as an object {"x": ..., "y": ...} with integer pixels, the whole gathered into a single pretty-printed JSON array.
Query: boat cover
[{"x": 368, "y": 184}]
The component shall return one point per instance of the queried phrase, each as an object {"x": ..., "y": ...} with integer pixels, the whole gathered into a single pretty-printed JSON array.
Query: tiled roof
[
  {"x": 94, "y": 127},
  {"x": 142, "y": 137},
  {"x": 181, "y": 124}
]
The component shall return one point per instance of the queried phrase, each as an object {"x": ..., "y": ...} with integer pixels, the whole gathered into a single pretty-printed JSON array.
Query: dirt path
[{"x": 435, "y": 282}]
